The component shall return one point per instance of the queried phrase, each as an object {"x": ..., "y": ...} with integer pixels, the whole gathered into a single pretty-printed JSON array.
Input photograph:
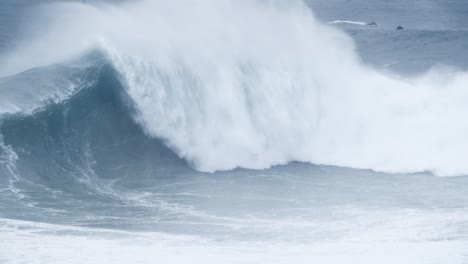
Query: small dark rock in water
[
  {"x": 400, "y": 28},
  {"x": 373, "y": 23}
]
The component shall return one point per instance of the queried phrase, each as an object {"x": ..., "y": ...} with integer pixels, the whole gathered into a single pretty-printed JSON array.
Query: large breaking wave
[{"x": 229, "y": 84}]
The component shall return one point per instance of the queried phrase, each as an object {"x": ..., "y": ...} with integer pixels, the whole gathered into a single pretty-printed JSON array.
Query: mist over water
[{"x": 234, "y": 132}]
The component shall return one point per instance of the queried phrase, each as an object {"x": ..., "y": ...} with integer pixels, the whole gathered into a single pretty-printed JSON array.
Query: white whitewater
[{"x": 348, "y": 22}]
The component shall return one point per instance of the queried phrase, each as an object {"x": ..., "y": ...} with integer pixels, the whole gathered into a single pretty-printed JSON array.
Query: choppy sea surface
[{"x": 223, "y": 131}]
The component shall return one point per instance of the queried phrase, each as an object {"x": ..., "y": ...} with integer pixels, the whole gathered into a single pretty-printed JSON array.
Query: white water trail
[
  {"x": 348, "y": 22},
  {"x": 259, "y": 83}
]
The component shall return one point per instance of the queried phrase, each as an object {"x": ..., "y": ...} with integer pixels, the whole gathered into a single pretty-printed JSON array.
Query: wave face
[{"x": 70, "y": 149}]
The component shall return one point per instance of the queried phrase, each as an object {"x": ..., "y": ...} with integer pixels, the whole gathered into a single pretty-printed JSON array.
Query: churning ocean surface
[{"x": 224, "y": 131}]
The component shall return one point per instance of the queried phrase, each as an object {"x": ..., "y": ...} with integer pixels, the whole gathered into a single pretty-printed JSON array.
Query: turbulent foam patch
[
  {"x": 258, "y": 83},
  {"x": 108, "y": 246}
]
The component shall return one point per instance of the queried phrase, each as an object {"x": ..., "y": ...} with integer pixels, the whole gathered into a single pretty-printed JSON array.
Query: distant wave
[
  {"x": 348, "y": 22},
  {"x": 228, "y": 84}
]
